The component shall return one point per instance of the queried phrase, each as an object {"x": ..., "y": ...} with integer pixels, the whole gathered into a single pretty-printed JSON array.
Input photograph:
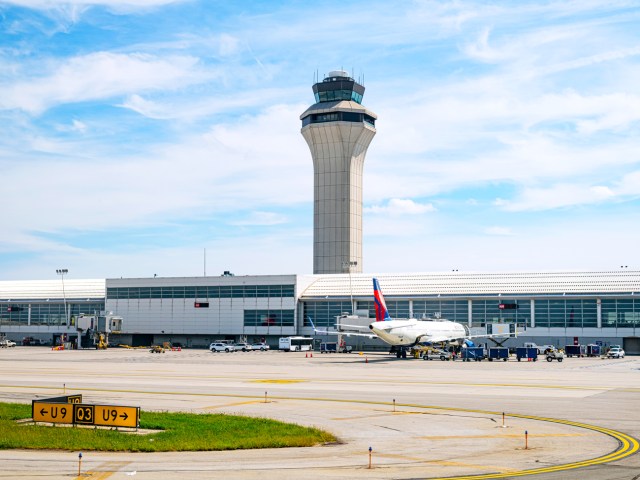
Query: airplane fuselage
[{"x": 412, "y": 331}]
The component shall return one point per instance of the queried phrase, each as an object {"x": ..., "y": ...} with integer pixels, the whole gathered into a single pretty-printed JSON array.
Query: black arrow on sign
[
  {"x": 43, "y": 411},
  {"x": 124, "y": 415}
]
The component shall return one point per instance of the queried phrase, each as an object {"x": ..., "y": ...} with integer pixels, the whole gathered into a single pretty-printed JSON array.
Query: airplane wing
[
  {"x": 493, "y": 335},
  {"x": 447, "y": 338},
  {"x": 353, "y": 334},
  {"x": 345, "y": 334}
]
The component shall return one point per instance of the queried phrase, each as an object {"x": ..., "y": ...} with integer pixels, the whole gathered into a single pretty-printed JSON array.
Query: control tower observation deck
[{"x": 338, "y": 130}]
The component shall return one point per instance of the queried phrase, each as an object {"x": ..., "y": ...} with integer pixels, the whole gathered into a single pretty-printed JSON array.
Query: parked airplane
[{"x": 407, "y": 332}]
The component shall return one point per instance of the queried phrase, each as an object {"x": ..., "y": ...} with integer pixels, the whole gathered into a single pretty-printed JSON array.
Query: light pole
[
  {"x": 62, "y": 272},
  {"x": 348, "y": 265}
]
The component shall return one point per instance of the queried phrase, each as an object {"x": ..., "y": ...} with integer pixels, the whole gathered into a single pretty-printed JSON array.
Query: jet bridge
[{"x": 98, "y": 328}]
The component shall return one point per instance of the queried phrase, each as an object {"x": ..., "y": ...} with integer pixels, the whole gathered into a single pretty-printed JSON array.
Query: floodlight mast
[{"x": 62, "y": 272}]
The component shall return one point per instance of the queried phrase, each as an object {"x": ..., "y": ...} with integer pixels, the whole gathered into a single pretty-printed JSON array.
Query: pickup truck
[{"x": 4, "y": 343}]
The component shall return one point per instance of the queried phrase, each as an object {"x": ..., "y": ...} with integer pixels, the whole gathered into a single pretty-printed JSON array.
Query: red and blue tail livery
[{"x": 382, "y": 314}]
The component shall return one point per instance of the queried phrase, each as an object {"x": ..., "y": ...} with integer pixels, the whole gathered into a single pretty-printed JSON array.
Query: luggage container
[
  {"x": 575, "y": 350},
  {"x": 328, "y": 347},
  {"x": 530, "y": 353},
  {"x": 498, "y": 353},
  {"x": 472, "y": 353},
  {"x": 593, "y": 350}
]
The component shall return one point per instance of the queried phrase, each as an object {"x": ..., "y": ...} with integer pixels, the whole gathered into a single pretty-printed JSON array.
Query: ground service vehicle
[
  {"x": 541, "y": 348},
  {"x": 221, "y": 347},
  {"x": 554, "y": 355},
  {"x": 615, "y": 351},
  {"x": 260, "y": 346},
  {"x": 245, "y": 347},
  {"x": 5, "y": 342},
  {"x": 438, "y": 355},
  {"x": 295, "y": 344}
]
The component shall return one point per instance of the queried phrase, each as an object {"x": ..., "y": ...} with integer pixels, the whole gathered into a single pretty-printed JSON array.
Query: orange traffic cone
[
  {"x": 311, "y": 354},
  {"x": 306, "y": 355},
  {"x": 366, "y": 359}
]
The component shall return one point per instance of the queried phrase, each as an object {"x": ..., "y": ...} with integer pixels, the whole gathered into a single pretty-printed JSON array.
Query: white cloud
[
  {"x": 98, "y": 76},
  {"x": 233, "y": 167},
  {"x": 75, "y": 126},
  {"x": 229, "y": 45},
  {"x": 400, "y": 206},
  {"x": 557, "y": 196},
  {"x": 630, "y": 185},
  {"x": 189, "y": 108}
]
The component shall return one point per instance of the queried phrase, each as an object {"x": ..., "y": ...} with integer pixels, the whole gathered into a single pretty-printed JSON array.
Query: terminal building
[{"x": 556, "y": 308}]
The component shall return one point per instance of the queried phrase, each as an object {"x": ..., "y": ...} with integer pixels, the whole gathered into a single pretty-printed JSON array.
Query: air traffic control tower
[{"x": 338, "y": 130}]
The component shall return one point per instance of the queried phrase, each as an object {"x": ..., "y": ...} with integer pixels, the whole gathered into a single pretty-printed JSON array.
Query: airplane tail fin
[
  {"x": 382, "y": 313},
  {"x": 312, "y": 325}
]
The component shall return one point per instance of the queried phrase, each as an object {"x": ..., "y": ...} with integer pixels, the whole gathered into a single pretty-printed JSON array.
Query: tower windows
[{"x": 339, "y": 117}]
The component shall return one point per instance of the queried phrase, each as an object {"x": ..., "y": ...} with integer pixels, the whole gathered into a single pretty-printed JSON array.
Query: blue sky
[{"x": 138, "y": 133}]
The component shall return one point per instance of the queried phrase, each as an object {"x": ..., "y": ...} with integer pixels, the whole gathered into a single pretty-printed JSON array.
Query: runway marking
[
  {"x": 505, "y": 435},
  {"x": 627, "y": 445},
  {"x": 444, "y": 463},
  {"x": 103, "y": 471},
  {"x": 448, "y": 463},
  {"x": 278, "y": 381},
  {"x": 213, "y": 407}
]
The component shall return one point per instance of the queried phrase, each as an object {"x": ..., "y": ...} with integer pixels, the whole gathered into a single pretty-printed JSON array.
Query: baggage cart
[
  {"x": 472, "y": 353},
  {"x": 529, "y": 353},
  {"x": 498, "y": 353}
]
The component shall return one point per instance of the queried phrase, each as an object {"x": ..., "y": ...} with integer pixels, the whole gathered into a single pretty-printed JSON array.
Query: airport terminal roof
[
  {"x": 405, "y": 285},
  {"x": 477, "y": 284},
  {"x": 45, "y": 289}
]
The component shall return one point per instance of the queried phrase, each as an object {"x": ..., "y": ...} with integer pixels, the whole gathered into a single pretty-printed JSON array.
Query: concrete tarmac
[{"x": 422, "y": 419}]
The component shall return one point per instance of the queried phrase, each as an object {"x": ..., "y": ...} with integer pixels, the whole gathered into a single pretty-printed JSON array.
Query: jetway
[{"x": 98, "y": 328}]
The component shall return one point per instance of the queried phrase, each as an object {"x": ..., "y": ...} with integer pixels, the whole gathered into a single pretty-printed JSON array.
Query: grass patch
[{"x": 180, "y": 432}]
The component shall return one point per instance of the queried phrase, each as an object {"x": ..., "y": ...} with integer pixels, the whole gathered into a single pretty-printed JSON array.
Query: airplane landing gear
[{"x": 401, "y": 352}]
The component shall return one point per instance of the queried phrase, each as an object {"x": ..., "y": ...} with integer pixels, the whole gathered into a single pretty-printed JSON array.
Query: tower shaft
[{"x": 338, "y": 130}]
